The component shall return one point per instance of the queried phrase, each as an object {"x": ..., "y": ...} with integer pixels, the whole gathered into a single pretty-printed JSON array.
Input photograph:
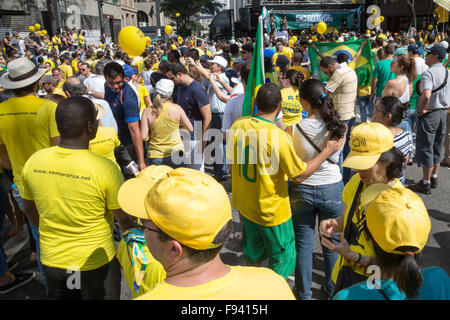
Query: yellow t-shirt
[
  {"x": 288, "y": 52},
  {"x": 260, "y": 179},
  {"x": 291, "y": 107},
  {"x": 274, "y": 61},
  {"x": 302, "y": 70},
  {"x": 364, "y": 91},
  {"x": 105, "y": 142},
  {"x": 66, "y": 71},
  {"x": 154, "y": 272},
  {"x": 240, "y": 283},
  {"x": 142, "y": 93},
  {"x": 25, "y": 126},
  {"x": 74, "y": 66},
  {"x": 74, "y": 191},
  {"x": 56, "y": 41},
  {"x": 358, "y": 242},
  {"x": 81, "y": 39},
  {"x": 93, "y": 64}
]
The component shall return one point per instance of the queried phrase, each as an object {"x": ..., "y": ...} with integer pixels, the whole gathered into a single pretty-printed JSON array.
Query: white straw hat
[{"x": 21, "y": 73}]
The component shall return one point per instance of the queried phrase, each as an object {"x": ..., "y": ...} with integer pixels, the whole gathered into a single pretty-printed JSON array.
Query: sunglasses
[{"x": 142, "y": 227}]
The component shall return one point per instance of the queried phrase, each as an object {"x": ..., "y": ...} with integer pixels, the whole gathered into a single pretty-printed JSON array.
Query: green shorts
[{"x": 274, "y": 243}]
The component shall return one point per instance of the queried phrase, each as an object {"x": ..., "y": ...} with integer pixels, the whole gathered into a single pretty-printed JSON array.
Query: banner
[
  {"x": 363, "y": 67},
  {"x": 256, "y": 75},
  {"x": 305, "y": 20}
]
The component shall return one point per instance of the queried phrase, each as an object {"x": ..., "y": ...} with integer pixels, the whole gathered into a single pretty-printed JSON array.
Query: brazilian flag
[
  {"x": 364, "y": 67},
  {"x": 256, "y": 74}
]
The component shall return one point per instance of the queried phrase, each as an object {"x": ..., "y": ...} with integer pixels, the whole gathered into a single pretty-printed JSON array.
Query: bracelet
[{"x": 359, "y": 258}]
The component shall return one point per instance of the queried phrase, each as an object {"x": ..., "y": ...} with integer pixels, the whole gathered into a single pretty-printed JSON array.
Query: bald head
[{"x": 74, "y": 87}]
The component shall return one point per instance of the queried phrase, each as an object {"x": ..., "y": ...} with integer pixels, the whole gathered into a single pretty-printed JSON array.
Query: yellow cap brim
[
  {"x": 359, "y": 162},
  {"x": 132, "y": 196},
  {"x": 371, "y": 193}
]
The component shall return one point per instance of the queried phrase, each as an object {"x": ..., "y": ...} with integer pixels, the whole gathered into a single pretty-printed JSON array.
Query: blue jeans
[
  {"x": 346, "y": 172},
  {"x": 308, "y": 202},
  {"x": 364, "y": 106},
  {"x": 220, "y": 162},
  {"x": 409, "y": 122},
  {"x": 165, "y": 161},
  {"x": 34, "y": 234},
  {"x": 3, "y": 262}
]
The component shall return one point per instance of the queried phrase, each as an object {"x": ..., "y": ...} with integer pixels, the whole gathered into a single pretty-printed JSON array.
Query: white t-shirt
[
  {"x": 421, "y": 67},
  {"x": 95, "y": 82},
  {"x": 147, "y": 83},
  {"x": 217, "y": 105},
  {"x": 108, "y": 119},
  {"x": 316, "y": 130}
]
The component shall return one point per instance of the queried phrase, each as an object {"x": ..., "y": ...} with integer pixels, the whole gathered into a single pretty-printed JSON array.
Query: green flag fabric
[
  {"x": 256, "y": 75},
  {"x": 364, "y": 67}
]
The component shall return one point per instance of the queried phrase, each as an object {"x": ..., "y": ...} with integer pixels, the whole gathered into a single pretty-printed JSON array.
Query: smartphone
[{"x": 333, "y": 239}]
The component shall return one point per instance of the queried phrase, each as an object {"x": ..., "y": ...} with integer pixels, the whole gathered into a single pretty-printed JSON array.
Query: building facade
[{"x": 17, "y": 15}]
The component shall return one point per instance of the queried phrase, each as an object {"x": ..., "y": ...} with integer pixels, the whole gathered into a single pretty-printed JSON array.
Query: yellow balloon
[
  {"x": 177, "y": 14},
  {"x": 44, "y": 32},
  {"x": 321, "y": 27},
  {"x": 132, "y": 40},
  {"x": 148, "y": 41},
  {"x": 31, "y": 28},
  {"x": 174, "y": 47},
  {"x": 381, "y": 18},
  {"x": 180, "y": 39},
  {"x": 37, "y": 26},
  {"x": 168, "y": 29},
  {"x": 430, "y": 27}
]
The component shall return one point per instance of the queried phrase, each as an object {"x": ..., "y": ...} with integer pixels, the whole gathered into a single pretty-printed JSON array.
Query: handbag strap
[
  {"x": 312, "y": 143},
  {"x": 351, "y": 213}
]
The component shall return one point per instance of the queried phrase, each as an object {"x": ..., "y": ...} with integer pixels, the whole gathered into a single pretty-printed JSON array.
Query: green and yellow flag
[
  {"x": 256, "y": 75},
  {"x": 364, "y": 67}
]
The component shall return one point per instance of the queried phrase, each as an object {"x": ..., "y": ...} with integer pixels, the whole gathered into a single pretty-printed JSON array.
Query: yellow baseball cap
[
  {"x": 371, "y": 193},
  {"x": 188, "y": 205},
  {"x": 398, "y": 218},
  {"x": 367, "y": 142}
]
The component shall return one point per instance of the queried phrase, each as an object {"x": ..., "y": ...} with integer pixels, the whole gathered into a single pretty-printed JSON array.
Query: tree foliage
[{"x": 187, "y": 10}]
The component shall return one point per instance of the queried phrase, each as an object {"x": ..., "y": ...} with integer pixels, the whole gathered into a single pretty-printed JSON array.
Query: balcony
[{"x": 247, "y": 3}]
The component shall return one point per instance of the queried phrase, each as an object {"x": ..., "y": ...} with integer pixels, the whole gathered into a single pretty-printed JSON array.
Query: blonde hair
[{"x": 158, "y": 103}]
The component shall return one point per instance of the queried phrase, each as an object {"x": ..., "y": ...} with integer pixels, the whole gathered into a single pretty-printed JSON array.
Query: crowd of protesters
[{"x": 103, "y": 157}]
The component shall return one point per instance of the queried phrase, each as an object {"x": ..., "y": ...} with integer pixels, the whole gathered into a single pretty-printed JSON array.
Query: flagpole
[{"x": 261, "y": 52}]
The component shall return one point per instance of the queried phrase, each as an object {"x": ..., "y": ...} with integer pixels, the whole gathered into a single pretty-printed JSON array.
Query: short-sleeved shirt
[
  {"x": 125, "y": 107},
  {"x": 217, "y": 105},
  {"x": 66, "y": 71},
  {"x": 383, "y": 74},
  {"x": 260, "y": 180},
  {"x": 432, "y": 79},
  {"x": 191, "y": 98},
  {"x": 27, "y": 125},
  {"x": 240, "y": 283},
  {"x": 291, "y": 106},
  {"x": 74, "y": 191},
  {"x": 343, "y": 86},
  {"x": 105, "y": 142}
]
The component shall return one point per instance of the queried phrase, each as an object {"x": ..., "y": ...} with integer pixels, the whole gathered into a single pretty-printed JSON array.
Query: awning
[{"x": 443, "y": 3}]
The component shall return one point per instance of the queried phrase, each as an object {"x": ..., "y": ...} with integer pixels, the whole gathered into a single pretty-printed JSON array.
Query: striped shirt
[
  {"x": 404, "y": 144},
  {"x": 343, "y": 86}
]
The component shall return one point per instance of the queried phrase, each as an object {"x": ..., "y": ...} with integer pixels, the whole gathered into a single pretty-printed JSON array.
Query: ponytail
[
  {"x": 158, "y": 104},
  {"x": 313, "y": 92}
]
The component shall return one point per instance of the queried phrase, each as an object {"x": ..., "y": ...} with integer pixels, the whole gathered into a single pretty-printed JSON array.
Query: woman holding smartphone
[{"x": 376, "y": 160}]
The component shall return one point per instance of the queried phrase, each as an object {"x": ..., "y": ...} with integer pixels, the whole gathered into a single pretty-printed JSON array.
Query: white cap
[
  {"x": 219, "y": 60},
  {"x": 164, "y": 87},
  {"x": 443, "y": 44}
]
